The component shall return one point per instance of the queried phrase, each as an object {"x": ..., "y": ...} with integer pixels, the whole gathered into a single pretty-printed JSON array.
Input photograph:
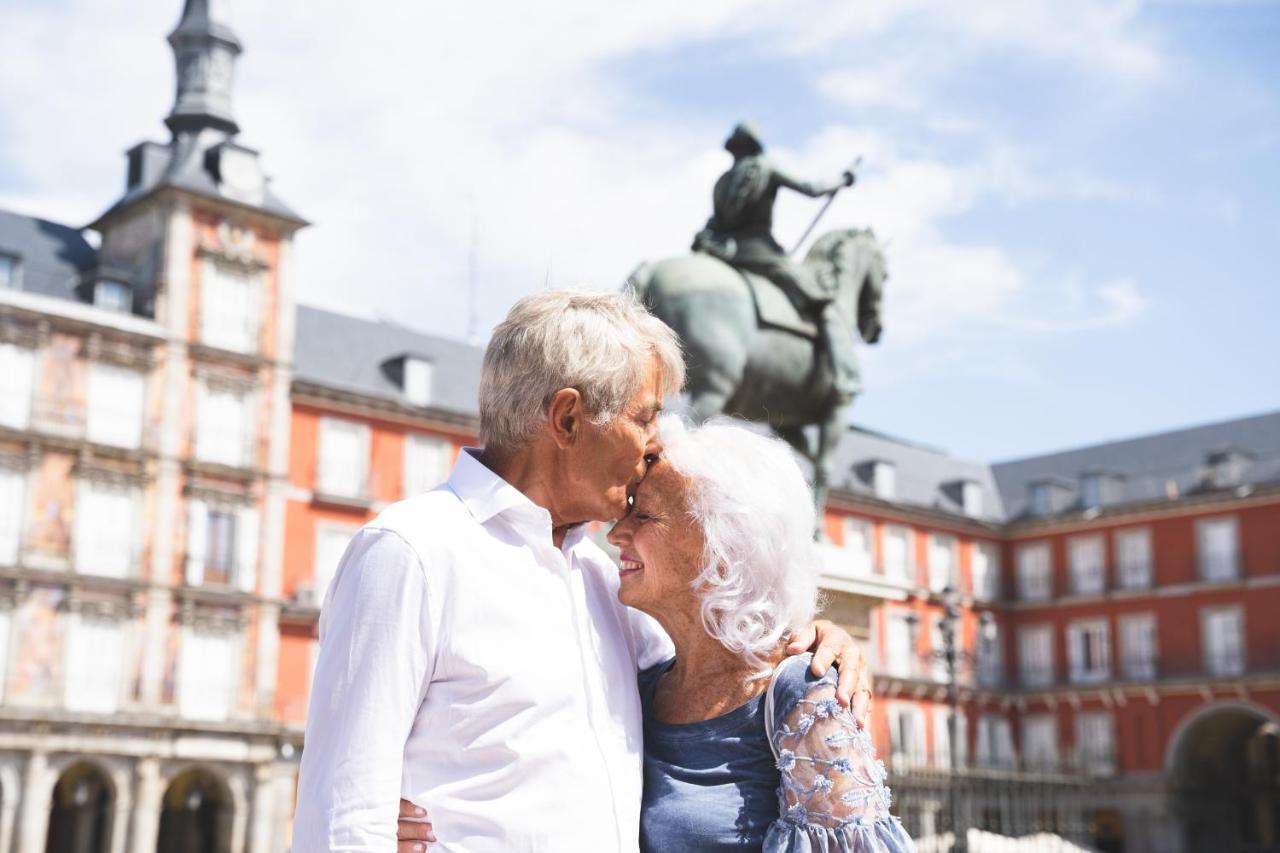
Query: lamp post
[{"x": 951, "y": 655}]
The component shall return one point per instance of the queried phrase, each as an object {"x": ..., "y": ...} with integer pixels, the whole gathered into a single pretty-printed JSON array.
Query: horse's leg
[
  {"x": 830, "y": 431},
  {"x": 794, "y": 435},
  {"x": 709, "y": 392},
  {"x": 716, "y": 352}
]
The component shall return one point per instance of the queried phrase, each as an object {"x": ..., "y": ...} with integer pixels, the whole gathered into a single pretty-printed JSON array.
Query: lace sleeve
[
  {"x": 830, "y": 774},
  {"x": 832, "y": 793}
]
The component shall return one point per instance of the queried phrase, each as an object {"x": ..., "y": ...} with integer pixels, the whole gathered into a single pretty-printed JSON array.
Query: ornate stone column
[
  {"x": 33, "y": 816},
  {"x": 121, "y": 780},
  {"x": 148, "y": 796},
  {"x": 10, "y": 796}
]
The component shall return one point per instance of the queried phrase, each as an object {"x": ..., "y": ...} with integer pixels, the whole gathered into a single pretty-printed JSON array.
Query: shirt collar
[
  {"x": 486, "y": 496},
  {"x": 483, "y": 492}
]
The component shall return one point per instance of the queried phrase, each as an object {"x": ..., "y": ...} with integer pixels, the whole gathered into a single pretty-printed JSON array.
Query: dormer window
[
  {"x": 884, "y": 480},
  {"x": 880, "y": 475},
  {"x": 1041, "y": 499},
  {"x": 966, "y": 493},
  {"x": 1050, "y": 495},
  {"x": 1227, "y": 467},
  {"x": 1090, "y": 491},
  {"x": 417, "y": 381},
  {"x": 113, "y": 295},
  {"x": 413, "y": 375},
  {"x": 8, "y": 272},
  {"x": 1100, "y": 488}
]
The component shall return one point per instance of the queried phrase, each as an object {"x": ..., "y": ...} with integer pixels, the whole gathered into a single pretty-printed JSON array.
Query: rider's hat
[{"x": 744, "y": 140}]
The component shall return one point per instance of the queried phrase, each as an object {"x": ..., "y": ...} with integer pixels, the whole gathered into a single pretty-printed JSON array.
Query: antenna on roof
[{"x": 473, "y": 310}]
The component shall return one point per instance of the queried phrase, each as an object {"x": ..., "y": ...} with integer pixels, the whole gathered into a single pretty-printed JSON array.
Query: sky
[{"x": 1080, "y": 200}]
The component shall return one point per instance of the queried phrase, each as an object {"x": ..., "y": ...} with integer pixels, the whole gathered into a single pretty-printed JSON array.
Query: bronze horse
[{"x": 749, "y": 351}]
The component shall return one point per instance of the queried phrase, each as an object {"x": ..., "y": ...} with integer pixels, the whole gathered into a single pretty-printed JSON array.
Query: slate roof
[
  {"x": 1149, "y": 463},
  {"x": 347, "y": 353},
  {"x": 51, "y": 257},
  {"x": 181, "y": 164},
  {"x": 923, "y": 476}
]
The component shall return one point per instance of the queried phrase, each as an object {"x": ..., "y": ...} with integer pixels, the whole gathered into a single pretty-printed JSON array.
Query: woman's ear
[{"x": 564, "y": 416}]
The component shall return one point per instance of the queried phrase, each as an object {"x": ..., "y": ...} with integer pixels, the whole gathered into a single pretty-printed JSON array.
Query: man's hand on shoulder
[
  {"x": 413, "y": 831},
  {"x": 832, "y": 644}
]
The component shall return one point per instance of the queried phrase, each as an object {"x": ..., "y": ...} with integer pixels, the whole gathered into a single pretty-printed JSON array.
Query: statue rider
[{"x": 740, "y": 232}]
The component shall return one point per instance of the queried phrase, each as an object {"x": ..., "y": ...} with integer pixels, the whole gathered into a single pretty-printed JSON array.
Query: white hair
[
  {"x": 602, "y": 344},
  {"x": 760, "y": 566}
]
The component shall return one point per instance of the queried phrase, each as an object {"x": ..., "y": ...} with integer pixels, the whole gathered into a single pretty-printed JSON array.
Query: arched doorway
[
  {"x": 1226, "y": 773},
  {"x": 80, "y": 814},
  {"x": 196, "y": 816}
]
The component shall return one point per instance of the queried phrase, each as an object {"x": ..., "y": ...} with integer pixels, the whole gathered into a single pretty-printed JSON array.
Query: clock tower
[{"x": 200, "y": 245}]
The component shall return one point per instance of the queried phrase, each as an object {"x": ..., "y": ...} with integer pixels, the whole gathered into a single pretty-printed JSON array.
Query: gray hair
[
  {"x": 602, "y": 344},
  {"x": 760, "y": 565}
]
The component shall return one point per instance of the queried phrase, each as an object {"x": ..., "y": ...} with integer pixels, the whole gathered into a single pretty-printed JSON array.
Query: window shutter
[
  {"x": 17, "y": 376},
  {"x": 11, "y": 499},
  {"x": 1075, "y": 644},
  {"x": 247, "y": 550},
  {"x": 197, "y": 522}
]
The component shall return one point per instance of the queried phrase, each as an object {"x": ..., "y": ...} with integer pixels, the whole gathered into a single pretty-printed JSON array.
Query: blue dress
[{"x": 720, "y": 785}]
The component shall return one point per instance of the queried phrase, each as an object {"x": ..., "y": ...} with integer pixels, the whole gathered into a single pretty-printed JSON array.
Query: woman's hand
[
  {"x": 413, "y": 831},
  {"x": 832, "y": 644}
]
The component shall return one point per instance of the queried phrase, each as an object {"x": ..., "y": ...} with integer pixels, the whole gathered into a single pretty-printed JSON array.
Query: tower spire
[{"x": 205, "y": 51}]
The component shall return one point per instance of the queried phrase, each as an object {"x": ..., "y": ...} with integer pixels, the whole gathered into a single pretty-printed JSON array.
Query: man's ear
[{"x": 564, "y": 416}]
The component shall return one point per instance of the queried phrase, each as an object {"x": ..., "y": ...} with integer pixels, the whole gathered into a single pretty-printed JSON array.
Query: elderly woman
[{"x": 745, "y": 749}]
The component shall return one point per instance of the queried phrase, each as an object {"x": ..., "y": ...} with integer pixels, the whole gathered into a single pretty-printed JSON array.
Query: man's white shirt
[{"x": 472, "y": 667}]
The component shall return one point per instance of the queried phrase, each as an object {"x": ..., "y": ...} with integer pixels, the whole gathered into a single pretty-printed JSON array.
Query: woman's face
[{"x": 661, "y": 545}]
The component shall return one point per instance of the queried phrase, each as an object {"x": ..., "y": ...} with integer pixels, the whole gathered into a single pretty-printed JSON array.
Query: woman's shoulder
[{"x": 794, "y": 679}]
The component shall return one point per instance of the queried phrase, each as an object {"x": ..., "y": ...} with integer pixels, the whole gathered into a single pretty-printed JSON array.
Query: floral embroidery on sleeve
[{"x": 830, "y": 775}]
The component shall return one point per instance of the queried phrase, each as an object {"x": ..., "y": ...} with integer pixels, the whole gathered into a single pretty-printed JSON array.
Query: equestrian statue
[{"x": 768, "y": 338}]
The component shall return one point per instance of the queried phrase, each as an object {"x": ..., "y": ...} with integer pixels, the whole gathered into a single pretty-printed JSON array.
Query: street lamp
[{"x": 952, "y": 656}]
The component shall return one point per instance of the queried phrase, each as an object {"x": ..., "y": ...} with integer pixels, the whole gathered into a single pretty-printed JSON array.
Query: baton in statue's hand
[{"x": 850, "y": 174}]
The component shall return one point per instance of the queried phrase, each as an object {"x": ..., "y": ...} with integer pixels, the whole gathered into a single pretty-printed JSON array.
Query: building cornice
[
  {"x": 70, "y": 315},
  {"x": 1137, "y": 513},
  {"x": 325, "y": 398},
  {"x": 851, "y": 502}
]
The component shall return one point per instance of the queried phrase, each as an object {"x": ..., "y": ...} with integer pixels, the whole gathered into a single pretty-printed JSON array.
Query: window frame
[
  {"x": 1133, "y": 665},
  {"x": 1126, "y": 572},
  {"x": 950, "y": 545},
  {"x": 328, "y": 425},
  {"x": 1043, "y": 568},
  {"x": 214, "y": 304},
  {"x": 908, "y": 571},
  {"x": 102, "y": 410},
  {"x": 1045, "y": 674},
  {"x": 1079, "y": 572},
  {"x": 1081, "y": 670},
  {"x": 1217, "y": 661},
  {"x": 1048, "y": 722},
  {"x": 13, "y": 281},
  {"x": 1206, "y": 562}
]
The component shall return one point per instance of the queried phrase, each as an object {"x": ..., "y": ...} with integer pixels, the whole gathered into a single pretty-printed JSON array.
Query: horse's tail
[{"x": 637, "y": 283}]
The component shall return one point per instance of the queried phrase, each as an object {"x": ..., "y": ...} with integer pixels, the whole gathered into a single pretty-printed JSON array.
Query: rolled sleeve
[{"x": 371, "y": 675}]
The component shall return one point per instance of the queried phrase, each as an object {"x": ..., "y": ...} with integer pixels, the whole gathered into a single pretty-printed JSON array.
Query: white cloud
[{"x": 402, "y": 132}]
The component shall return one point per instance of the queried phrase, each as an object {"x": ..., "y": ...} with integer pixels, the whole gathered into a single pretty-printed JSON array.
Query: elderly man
[{"x": 474, "y": 657}]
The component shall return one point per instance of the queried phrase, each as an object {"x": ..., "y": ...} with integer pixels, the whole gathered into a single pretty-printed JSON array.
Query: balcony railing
[
  {"x": 1224, "y": 663},
  {"x": 1139, "y": 668},
  {"x": 69, "y": 420},
  {"x": 1033, "y": 675},
  {"x": 1216, "y": 568},
  {"x": 1083, "y": 675}
]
